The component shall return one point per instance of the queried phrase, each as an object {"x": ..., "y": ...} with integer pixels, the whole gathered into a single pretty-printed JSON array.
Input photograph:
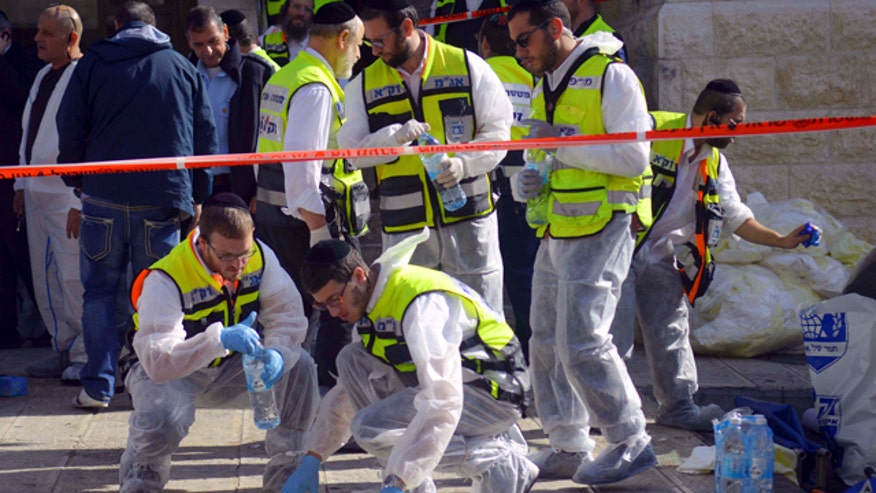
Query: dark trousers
[
  {"x": 518, "y": 244},
  {"x": 290, "y": 243},
  {"x": 14, "y": 263}
]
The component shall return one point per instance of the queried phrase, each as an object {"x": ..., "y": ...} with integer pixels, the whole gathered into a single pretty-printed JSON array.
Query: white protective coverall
[
  {"x": 416, "y": 423},
  {"x": 469, "y": 250},
  {"x": 652, "y": 294},
  {"x": 576, "y": 284},
  {"x": 172, "y": 376},
  {"x": 54, "y": 258}
]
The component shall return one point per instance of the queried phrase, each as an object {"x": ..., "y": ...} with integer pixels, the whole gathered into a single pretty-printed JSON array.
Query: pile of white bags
[{"x": 752, "y": 306}]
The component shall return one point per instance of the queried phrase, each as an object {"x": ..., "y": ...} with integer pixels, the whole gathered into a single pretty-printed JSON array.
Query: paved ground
[{"x": 47, "y": 446}]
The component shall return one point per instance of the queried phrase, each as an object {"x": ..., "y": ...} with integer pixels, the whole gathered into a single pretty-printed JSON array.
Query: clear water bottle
[
  {"x": 761, "y": 454},
  {"x": 453, "y": 197},
  {"x": 537, "y": 208},
  {"x": 266, "y": 414},
  {"x": 731, "y": 459}
]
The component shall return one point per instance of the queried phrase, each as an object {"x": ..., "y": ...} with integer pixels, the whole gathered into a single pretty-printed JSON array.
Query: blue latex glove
[
  {"x": 529, "y": 184},
  {"x": 274, "y": 364},
  {"x": 241, "y": 337},
  {"x": 305, "y": 479},
  {"x": 390, "y": 489}
]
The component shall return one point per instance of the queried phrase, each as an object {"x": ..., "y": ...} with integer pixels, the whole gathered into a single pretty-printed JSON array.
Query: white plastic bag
[{"x": 840, "y": 346}]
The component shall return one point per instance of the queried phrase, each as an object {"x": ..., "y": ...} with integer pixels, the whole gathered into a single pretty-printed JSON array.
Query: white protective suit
[
  {"x": 54, "y": 258},
  {"x": 576, "y": 284},
  {"x": 469, "y": 250},
  {"x": 652, "y": 295},
  {"x": 173, "y": 377},
  {"x": 416, "y": 423}
]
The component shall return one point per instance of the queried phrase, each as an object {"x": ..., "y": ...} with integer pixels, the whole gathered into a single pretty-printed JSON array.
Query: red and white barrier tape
[{"x": 207, "y": 161}]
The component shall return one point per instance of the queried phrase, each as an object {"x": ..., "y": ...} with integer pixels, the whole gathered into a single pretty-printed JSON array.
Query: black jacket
[{"x": 250, "y": 73}]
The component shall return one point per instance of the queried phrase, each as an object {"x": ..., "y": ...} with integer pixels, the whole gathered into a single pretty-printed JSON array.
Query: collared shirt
[
  {"x": 312, "y": 132},
  {"x": 677, "y": 223},
  {"x": 296, "y": 47},
  {"x": 220, "y": 89}
]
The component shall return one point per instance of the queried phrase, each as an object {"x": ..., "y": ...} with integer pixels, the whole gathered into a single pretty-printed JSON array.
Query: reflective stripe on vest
[
  {"x": 696, "y": 264},
  {"x": 344, "y": 185},
  {"x": 582, "y": 201},
  {"x": 203, "y": 298},
  {"x": 408, "y": 200},
  {"x": 492, "y": 358}
]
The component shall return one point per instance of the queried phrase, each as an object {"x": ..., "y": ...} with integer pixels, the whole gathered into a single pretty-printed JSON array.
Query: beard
[
  {"x": 294, "y": 31},
  {"x": 345, "y": 70},
  {"x": 538, "y": 67},
  {"x": 719, "y": 143},
  {"x": 403, "y": 53}
]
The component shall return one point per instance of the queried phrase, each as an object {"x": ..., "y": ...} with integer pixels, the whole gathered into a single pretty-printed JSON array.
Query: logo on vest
[
  {"x": 271, "y": 128},
  {"x": 455, "y": 128},
  {"x": 387, "y": 325},
  {"x": 339, "y": 108}
]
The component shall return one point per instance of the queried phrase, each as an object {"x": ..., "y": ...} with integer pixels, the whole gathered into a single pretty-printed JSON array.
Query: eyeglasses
[
  {"x": 333, "y": 302},
  {"x": 523, "y": 40},
  {"x": 380, "y": 43},
  {"x": 231, "y": 257}
]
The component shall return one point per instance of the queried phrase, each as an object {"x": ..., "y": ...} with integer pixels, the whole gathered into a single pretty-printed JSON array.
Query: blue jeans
[
  {"x": 518, "y": 244},
  {"x": 112, "y": 235}
]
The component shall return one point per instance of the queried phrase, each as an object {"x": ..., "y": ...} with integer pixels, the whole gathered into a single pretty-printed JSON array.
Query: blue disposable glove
[
  {"x": 241, "y": 337},
  {"x": 539, "y": 129},
  {"x": 305, "y": 479},
  {"x": 529, "y": 184},
  {"x": 390, "y": 489},
  {"x": 274, "y": 364}
]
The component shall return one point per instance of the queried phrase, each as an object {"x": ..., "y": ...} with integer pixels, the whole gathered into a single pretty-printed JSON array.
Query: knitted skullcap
[
  {"x": 334, "y": 13},
  {"x": 723, "y": 86},
  {"x": 224, "y": 200},
  {"x": 328, "y": 252},
  {"x": 232, "y": 17},
  {"x": 387, "y": 5}
]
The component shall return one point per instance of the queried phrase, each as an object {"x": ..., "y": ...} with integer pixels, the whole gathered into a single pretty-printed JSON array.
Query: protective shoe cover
[
  {"x": 516, "y": 475},
  {"x": 557, "y": 464},
  {"x": 70, "y": 375},
  {"x": 690, "y": 416},
  {"x": 141, "y": 478},
  {"x": 618, "y": 462}
]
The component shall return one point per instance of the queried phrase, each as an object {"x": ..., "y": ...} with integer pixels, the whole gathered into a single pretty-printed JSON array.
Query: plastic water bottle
[
  {"x": 266, "y": 414},
  {"x": 761, "y": 454},
  {"x": 453, "y": 197},
  {"x": 537, "y": 208},
  {"x": 731, "y": 459}
]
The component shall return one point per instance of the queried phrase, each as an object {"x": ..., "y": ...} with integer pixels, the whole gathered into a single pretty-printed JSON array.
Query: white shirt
[
  {"x": 623, "y": 110},
  {"x": 308, "y": 126},
  {"x": 493, "y": 114},
  {"x": 677, "y": 224},
  {"x": 161, "y": 344}
]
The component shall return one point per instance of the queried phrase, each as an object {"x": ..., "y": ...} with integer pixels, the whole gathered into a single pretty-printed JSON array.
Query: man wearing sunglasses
[
  {"x": 196, "y": 316},
  {"x": 586, "y": 246},
  {"x": 694, "y": 202},
  {"x": 434, "y": 379},
  {"x": 421, "y": 85}
]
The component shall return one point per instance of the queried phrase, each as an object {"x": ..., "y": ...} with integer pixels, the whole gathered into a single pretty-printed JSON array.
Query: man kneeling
[
  {"x": 196, "y": 315},
  {"x": 434, "y": 377}
]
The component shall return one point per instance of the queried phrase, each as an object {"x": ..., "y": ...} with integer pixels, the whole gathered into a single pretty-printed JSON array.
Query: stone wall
[{"x": 793, "y": 59}]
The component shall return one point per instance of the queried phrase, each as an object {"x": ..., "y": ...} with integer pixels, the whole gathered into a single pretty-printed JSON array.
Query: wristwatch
[{"x": 394, "y": 481}]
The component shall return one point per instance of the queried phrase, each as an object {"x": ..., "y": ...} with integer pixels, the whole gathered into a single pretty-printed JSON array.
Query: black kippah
[
  {"x": 388, "y": 5},
  {"x": 724, "y": 86},
  {"x": 232, "y": 17},
  {"x": 328, "y": 252},
  {"x": 334, "y": 13},
  {"x": 226, "y": 199}
]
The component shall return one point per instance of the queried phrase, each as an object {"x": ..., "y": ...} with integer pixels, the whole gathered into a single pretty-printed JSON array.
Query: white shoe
[{"x": 85, "y": 401}]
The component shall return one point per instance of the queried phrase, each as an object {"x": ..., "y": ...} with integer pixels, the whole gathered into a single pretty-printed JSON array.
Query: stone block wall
[{"x": 793, "y": 59}]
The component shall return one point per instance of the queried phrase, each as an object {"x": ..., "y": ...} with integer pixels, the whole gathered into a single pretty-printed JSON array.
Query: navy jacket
[{"x": 132, "y": 96}]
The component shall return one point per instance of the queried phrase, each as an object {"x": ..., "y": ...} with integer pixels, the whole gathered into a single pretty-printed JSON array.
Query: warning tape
[
  {"x": 207, "y": 161},
  {"x": 464, "y": 16}
]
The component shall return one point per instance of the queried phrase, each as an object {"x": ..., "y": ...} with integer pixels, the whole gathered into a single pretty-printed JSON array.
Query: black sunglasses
[{"x": 523, "y": 40}]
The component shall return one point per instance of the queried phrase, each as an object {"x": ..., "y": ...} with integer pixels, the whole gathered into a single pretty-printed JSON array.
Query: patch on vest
[
  {"x": 584, "y": 82},
  {"x": 384, "y": 92},
  {"x": 446, "y": 81},
  {"x": 271, "y": 128},
  {"x": 387, "y": 325},
  {"x": 274, "y": 98}
]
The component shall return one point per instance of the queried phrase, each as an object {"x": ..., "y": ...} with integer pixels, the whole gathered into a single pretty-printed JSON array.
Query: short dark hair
[
  {"x": 720, "y": 95},
  {"x": 5, "y": 23},
  {"x": 200, "y": 17},
  {"x": 243, "y": 32},
  {"x": 315, "y": 275},
  {"x": 495, "y": 30},
  {"x": 393, "y": 18},
  {"x": 230, "y": 222},
  {"x": 134, "y": 10},
  {"x": 541, "y": 11}
]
